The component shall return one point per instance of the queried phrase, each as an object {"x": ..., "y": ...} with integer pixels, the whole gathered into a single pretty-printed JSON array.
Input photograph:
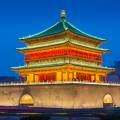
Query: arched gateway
[
  {"x": 26, "y": 100},
  {"x": 107, "y": 100}
]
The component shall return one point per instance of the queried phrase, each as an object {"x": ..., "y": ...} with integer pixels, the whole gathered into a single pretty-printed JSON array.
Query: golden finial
[{"x": 63, "y": 14}]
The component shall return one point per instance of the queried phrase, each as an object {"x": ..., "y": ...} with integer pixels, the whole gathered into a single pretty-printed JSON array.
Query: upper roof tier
[{"x": 61, "y": 26}]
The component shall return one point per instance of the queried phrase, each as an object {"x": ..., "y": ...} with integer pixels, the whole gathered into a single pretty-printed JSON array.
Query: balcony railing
[{"x": 58, "y": 83}]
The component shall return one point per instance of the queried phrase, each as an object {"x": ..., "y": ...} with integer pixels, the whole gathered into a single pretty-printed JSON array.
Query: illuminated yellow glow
[
  {"x": 65, "y": 76},
  {"x": 107, "y": 99},
  {"x": 70, "y": 75},
  {"x": 30, "y": 78},
  {"x": 59, "y": 78},
  {"x": 26, "y": 100},
  {"x": 36, "y": 78}
]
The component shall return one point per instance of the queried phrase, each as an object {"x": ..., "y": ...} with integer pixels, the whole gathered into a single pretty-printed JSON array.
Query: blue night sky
[{"x": 19, "y": 18}]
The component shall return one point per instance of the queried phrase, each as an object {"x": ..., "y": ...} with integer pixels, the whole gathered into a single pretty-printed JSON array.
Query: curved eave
[
  {"x": 44, "y": 32},
  {"x": 39, "y": 46},
  {"x": 27, "y": 39},
  {"x": 84, "y": 34},
  {"x": 90, "y": 47},
  {"x": 42, "y": 37},
  {"x": 36, "y": 47},
  {"x": 60, "y": 64},
  {"x": 101, "y": 40}
]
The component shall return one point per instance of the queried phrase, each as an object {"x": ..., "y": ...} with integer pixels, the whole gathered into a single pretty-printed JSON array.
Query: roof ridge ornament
[{"x": 63, "y": 15}]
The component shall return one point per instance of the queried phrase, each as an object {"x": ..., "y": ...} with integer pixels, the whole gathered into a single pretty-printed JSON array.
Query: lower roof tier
[{"x": 62, "y": 64}]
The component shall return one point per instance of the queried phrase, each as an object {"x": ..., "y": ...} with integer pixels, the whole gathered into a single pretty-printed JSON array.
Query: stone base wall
[{"x": 63, "y": 96}]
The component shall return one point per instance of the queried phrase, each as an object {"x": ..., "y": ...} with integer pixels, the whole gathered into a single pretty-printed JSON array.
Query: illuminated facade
[{"x": 62, "y": 53}]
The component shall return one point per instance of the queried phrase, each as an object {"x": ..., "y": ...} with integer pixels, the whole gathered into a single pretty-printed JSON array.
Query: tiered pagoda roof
[{"x": 61, "y": 26}]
